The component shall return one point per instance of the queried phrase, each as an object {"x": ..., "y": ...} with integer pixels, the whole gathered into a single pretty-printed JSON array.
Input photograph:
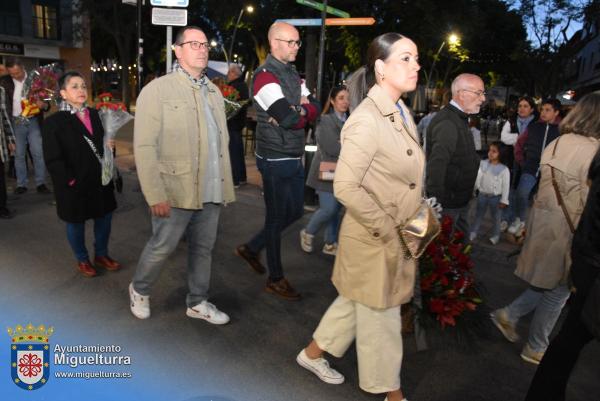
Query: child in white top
[{"x": 493, "y": 183}]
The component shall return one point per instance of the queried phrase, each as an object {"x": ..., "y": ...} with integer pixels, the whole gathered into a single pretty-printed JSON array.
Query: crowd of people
[{"x": 373, "y": 169}]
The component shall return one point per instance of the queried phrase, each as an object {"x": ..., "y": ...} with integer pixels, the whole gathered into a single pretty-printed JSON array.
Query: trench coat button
[
  {"x": 376, "y": 235},
  {"x": 392, "y": 118},
  {"x": 409, "y": 152},
  {"x": 412, "y": 185}
]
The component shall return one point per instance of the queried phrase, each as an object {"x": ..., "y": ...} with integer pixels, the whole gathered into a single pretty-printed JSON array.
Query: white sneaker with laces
[
  {"x": 514, "y": 227},
  {"x": 306, "y": 241},
  {"x": 207, "y": 311},
  {"x": 139, "y": 304},
  {"x": 320, "y": 367},
  {"x": 330, "y": 249}
]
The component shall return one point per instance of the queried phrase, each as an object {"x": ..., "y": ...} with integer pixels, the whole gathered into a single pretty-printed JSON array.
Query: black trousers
[
  {"x": 236, "y": 155},
  {"x": 552, "y": 375},
  {"x": 2, "y": 186}
]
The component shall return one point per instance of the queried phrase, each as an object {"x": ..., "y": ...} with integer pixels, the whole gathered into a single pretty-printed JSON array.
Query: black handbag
[{"x": 591, "y": 309}]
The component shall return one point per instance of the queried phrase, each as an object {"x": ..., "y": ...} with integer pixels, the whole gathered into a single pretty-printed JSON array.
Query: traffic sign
[
  {"x": 320, "y": 6},
  {"x": 169, "y": 16},
  {"x": 350, "y": 21},
  {"x": 170, "y": 3},
  {"x": 302, "y": 21},
  {"x": 329, "y": 21}
]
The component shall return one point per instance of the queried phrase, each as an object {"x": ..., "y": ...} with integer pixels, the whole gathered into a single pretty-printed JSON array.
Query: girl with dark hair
[
  {"x": 328, "y": 149},
  {"x": 493, "y": 183},
  {"x": 73, "y": 149},
  {"x": 379, "y": 180},
  {"x": 512, "y": 129}
]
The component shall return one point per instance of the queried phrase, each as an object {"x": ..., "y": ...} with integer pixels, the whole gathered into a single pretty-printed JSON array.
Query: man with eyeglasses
[
  {"x": 284, "y": 106},
  {"x": 182, "y": 159},
  {"x": 452, "y": 162}
]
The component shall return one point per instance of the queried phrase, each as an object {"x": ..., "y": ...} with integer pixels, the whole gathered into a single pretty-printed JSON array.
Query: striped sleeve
[{"x": 269, "y": 96}]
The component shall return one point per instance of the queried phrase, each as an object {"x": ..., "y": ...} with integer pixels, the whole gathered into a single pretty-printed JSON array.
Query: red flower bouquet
[
  {"x": 41, "y": 84},
  {"x": 447, "y": 281},
  {"x": 231, "y": 97}
]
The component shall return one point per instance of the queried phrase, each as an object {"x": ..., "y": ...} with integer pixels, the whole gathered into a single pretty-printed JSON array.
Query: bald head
[
  {"x": 284, "y": 41},
  {"x": 468, "y": 92}
]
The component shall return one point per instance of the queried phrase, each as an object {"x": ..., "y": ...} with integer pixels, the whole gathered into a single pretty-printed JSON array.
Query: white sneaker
[
  {"x": 472, "y": 236},
  {"x": 520, "y": 229},
  {"x": 207, "y": 311},
  {"x": 514, "y": 227},
  {"x": 139, "y": 304},
  {"x": 494, "y": 240},
  {"x": 320, "y": 367},
  {"x": 503, "y": 225},
  {"x": 330, "y": 249},
  {"x": 306, "y": 241}
]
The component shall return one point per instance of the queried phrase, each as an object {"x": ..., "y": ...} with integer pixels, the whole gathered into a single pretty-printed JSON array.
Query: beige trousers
[{"x": 378, "y": 334}]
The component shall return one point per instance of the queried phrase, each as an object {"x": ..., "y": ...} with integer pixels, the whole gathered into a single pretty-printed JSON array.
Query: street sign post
[
  {"x": 321, "y": 7},
  {"x": 349, "y": 21},
  {"x": 329, "y": 21},
  {"x": 169, "y": 16},
  {"x": 170, "y": 3}
]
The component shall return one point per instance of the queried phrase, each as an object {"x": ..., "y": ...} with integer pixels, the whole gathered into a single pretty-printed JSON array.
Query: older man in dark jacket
[
  {"x": 452, "y": 162},
  {"x": 235, "y": 125}
]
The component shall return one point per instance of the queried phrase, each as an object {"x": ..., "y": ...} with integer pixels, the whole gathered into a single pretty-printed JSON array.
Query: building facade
[{"x": 41, "y": 32}]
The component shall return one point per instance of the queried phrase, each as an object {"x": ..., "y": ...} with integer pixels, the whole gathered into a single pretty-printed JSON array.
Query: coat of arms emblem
[{"x": 30, "y": 355}]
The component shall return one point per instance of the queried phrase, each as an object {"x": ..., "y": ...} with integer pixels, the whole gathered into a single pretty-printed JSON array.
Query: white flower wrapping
[{"x": 112, "y": 121}]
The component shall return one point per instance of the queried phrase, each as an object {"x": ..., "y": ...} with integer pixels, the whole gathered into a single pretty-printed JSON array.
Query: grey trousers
[{"x": 200, "y": 227}]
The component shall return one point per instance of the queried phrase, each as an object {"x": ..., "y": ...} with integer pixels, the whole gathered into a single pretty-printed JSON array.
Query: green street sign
[{"x": 319, "y": 6}]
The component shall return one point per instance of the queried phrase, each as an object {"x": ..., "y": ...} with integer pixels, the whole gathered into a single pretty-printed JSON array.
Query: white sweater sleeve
[
  {"x": 507, "y": 137},
  {"x": 505, "y": 177}
]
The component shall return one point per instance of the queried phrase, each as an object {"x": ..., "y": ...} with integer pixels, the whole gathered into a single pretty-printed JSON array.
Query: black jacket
[
  {"x": 9, "y": 88},
  {"x": 452, "y": 162},
  {"x": 69, "y": 157},
  {"x": 238, "y": 122},
  {"x": 586, "y": 240},
  {"x": 534, "y": 145}
]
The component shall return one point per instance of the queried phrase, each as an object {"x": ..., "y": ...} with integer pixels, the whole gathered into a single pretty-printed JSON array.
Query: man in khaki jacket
[{"x": 182, "y": 159}]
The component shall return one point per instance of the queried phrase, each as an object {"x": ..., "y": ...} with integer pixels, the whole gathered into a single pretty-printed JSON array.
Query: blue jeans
[
  {"x": 29, "y": 134},
  {"x": 200, "y": 227},
  {"x": 526, "y": 184},
  {"x": 547, "y": 305},
  {"x": 328, "y": 213},
  {"x": 76, "y": 237},
  {"x": 283, "y": 187},
  {"x": 483, "y": 202}
]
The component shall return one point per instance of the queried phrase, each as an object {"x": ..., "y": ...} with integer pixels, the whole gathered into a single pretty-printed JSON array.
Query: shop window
[{"x": 45, "y": 21}]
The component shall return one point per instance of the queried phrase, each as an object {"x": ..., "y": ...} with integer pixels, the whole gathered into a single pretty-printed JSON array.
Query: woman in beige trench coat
[
  {"x": 379, "y": 178},
  {"x": 545, "y": 259}
]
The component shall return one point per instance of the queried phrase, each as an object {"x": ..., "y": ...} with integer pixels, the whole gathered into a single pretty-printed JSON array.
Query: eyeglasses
[
  {"x": 196, "y": 45},
  {"x": 291, "y": 43},
  {"x": 477, "y": 93}
]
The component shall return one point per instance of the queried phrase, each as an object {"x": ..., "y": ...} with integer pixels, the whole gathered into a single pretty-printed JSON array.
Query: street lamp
[
  {"x": 214, "y": 44},
  {"x": 249, "y": 9},
  {"x": 453, "y": 39}
]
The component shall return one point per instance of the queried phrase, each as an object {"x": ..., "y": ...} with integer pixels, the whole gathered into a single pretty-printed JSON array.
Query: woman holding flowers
[
  {"x": 379, "y": 179},
  {"x": 73, "y": 143}
]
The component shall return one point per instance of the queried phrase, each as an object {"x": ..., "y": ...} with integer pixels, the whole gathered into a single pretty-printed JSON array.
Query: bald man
[
  {"x": 284, "y": 107},
  {"x": 452, "y": 162}
]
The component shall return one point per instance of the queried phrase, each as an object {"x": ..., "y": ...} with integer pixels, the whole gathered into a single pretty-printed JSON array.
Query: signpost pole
[
  {"x": 321, "y": 52},
  {"x": 169, "y": 50},
  {"x": 140, "y": 46}
]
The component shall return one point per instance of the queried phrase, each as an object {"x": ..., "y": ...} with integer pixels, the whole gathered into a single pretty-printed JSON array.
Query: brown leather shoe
[
  {"x": 107, "y": 263},
  {"x": 86, "y": 268},
  {"x": 283, "y": 289},
  {"x": 251, "y": 258}
]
